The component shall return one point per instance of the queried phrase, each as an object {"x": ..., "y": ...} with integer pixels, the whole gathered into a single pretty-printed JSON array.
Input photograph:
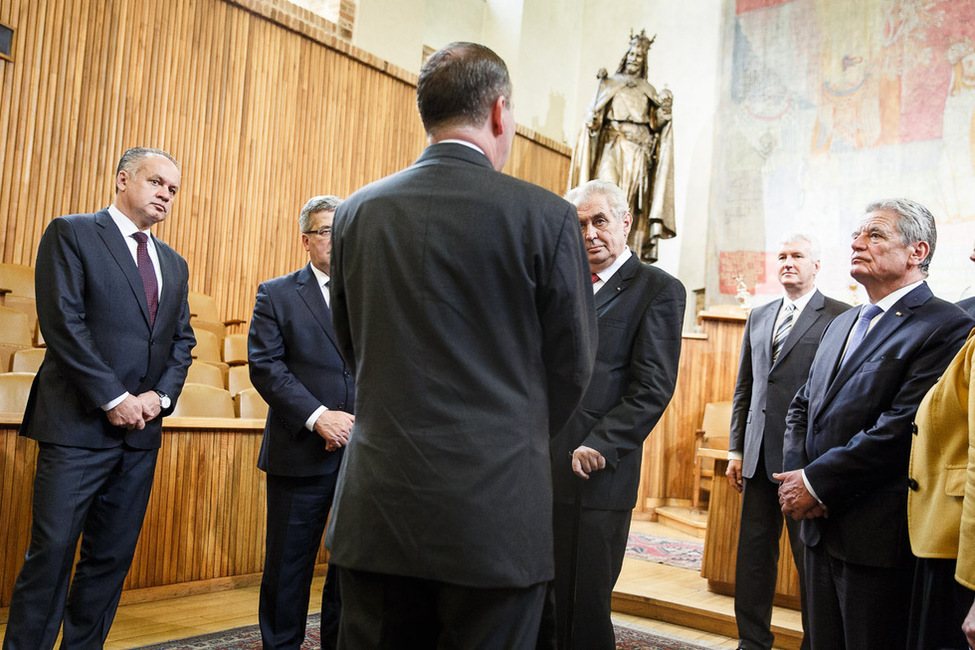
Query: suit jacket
[
  {"x": 968, "y": 304},
  {"x": 763, "y": 391},
  {"x": 850, "y": 428},
  {"x": 296, "y": 367},
  {"x": 92, "y": 311},
  {"x": 462, "y": 297},
  {"x": 941, "y": 501},
  {"x": 640, "y": 310}
]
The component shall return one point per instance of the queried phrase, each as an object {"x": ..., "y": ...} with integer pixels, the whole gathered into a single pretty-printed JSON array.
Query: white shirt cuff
[
  {"x": 810, "y": 487},
  {"x": 115, "y": 402},
  {"x": 735, "y": 455},
  {"x": 310, "y": 422}
]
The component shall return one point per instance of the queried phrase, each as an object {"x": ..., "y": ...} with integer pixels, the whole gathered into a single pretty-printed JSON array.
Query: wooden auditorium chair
[
  {"x": 235, "y": 349},
  {"x": 201, "y": 372},
  {"x": 250, "y": 404},
  {"x": 714, "y": 434},
  {"x": 202, "y": 401},
  {"x": 208, "y": 349},
  {"x": 27, "y": 360},
  {"x": 18, "y": 279},
  {"x": 239, "y": 379},
  {"x": 204, "y": 315},
  {"x": 15, "y": 334},
  {"x": 14, "y": 390}
]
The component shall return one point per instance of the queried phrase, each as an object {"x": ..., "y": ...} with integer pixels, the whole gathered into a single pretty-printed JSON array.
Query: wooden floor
[{"x": 659, "y": 598}]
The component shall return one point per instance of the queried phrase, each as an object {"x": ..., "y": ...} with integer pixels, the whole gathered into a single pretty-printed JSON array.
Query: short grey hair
[
  {"x": 614, "y": 196},
  {"x": 133, "y": 157},
  {"x": 915, "y": 223},
  {"x": 326, "y": 203},
  {"x": 814, "y": 250}
]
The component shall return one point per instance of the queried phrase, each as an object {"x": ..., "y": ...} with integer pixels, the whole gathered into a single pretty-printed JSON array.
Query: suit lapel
[
  {"x": 169, "y": 307},
  {"x": 891, "y": 320},
  {"x": 119, "y": 250},
  {"x": 616, "y": 284},
  {"x": 764, "y": 326},
  {"x": 808, "y": 316},
  {"x": 311, "y": 294}
]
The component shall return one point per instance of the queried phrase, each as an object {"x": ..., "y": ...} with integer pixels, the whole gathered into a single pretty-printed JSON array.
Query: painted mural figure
[{"x": 628, "y": 140}]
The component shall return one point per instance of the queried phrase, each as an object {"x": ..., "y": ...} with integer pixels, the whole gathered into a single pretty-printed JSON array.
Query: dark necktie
[
  {"x": 595, "y": 278},
  {"x": 860, "y": 330},
  {"x": 148, "y": 274},
  {"x": 782, "y": 331}
]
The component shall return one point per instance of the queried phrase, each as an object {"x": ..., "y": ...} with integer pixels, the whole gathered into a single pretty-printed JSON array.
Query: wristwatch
[{"x": 164, "y": 400}]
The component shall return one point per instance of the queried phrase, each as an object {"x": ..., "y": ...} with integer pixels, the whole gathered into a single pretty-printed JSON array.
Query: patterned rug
[
  {"x": 684, "y": 554},
  {"x": 249, "y": 638}
]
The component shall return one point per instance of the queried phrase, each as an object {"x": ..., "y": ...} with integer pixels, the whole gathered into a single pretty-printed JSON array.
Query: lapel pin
[{"x": 897, "y": 313}]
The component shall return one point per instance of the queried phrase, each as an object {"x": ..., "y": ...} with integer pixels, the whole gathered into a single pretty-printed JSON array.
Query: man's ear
[{"x": 497, "y": 115}]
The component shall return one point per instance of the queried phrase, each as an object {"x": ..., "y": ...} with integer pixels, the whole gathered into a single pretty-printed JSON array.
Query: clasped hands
[
  {"x": 334, "y": 427},
  {"x": 796, "y": 501},
  {"x": 134, "y": 411}
]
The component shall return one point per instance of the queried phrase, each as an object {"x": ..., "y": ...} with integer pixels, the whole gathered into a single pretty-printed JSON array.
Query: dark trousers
[
  {"x": 856, "y": 607},
  {"x": 602, "y": 545},
  {"x": 388, "y": 612},
  {"x": 297, "y": 509},
  {"x": 756, "y": 567},
  {"x": 100, "y": 495},
  {"x": 938, "y": 607}
]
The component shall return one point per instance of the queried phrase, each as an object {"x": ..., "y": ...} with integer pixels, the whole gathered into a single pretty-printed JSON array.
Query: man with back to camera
[
  {"x": 461, "y": 296},
  {"x": 640, "y": 310},
  {"x": 780, "y": 342},
  {"x": 295, "y": 365},
  {"x": 849, "y": 430},
  {"x": 111, "y": 303}
]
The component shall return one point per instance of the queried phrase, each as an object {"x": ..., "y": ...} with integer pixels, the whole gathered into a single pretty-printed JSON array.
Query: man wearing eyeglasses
[{"x": 296, "y": 367}]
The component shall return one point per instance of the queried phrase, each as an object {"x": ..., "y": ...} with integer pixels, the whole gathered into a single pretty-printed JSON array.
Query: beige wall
[{"x": 554, "y": 49}]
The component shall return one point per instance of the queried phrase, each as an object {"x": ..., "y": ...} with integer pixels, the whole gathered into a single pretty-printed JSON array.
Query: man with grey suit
[
  {"x": 461, "y": 295},
  {"x": 111, "y": 303},
  {"x": 780, "y": 342},
  {"x": 296, "y": 367}
]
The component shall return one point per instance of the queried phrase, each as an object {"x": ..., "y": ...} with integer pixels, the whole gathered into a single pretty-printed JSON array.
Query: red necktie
[
  {"x": 595, "y": 278},
  {"x": 148, "y": 274}
]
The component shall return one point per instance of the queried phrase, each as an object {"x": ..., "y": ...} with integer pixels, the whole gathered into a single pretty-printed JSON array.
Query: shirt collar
[
  {"x": 890, "y": 299},
  {"x": 610, "y": 270},
  {"x": 800, "y": 302},
  {"x": 125, "y": 225},
  {"x": 320, "y": 276},
  {"x": 463, "y": 142}
]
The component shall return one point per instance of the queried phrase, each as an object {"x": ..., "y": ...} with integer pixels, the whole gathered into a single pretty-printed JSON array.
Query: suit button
[
  {"x": 142, "y": 379},
  {"x": 341, "y": 406},
  {"x": 911, "y": 483},
  {"x": 914, "y": 428},
  {"x": 763, "y": 410},
  {"x": 347, "y": 374}
]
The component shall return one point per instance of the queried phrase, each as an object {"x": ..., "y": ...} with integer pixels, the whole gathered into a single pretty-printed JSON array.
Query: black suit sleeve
[
  {"x": 653, "y": 375},
  {"x": 796, "y": 425},
  {"x": 290, "y": 400},
  {"x": 181, "y": 353},
  {"x": 60, "y": 277},
  {"x": 568, "y": 317}
]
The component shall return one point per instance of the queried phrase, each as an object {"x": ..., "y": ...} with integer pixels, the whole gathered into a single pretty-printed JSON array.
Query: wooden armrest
[{"x": 234, "y": 321}]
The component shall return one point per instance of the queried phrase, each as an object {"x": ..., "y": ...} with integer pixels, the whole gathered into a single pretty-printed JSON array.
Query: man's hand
[
  {"x": 334, "y": 427},
  {"x": 734, "y": 474},
  {"x": 586, "y": 460},
  {"x": 151, "y": 405},
  {"x": 968, "y": 626},
  {"x": 795, "y": 499},
  {"x": 128, "y": 414}
]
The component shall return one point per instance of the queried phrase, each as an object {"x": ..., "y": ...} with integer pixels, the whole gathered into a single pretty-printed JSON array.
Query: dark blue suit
[
  {"x": 851, "y": 430},
  {"x": 296, "y": 367},
  {"x": 93, "y": 479}
]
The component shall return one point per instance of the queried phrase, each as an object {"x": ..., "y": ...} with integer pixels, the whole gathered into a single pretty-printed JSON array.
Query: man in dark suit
[
  {"x": 461, "y": 296},
  {"x": 780, "y": 341},
  {"x": 596, "y": 457},
  {"x": 111, "y": 302},
  {"x": 848, "y": 433},
  {"x": 296, "y": 367}
]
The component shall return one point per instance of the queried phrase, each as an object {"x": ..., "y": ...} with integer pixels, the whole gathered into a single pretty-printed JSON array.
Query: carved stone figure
[{"x": 628, "y": 140}]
